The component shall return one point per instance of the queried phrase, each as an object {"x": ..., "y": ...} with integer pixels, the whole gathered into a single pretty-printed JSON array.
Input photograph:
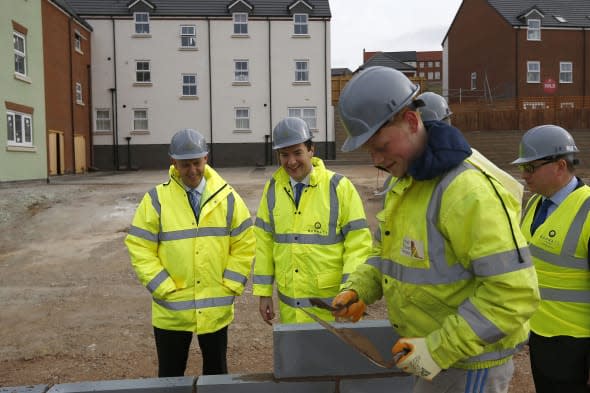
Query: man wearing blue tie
[{"x": 556, "y": 223}]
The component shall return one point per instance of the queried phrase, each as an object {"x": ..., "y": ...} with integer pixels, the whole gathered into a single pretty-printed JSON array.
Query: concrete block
[
  {"x": 401, "y": 384},
  {"x": 148, "y": 385},
  {"x": 260, "y": 383},
  {"x": 25, "y": 389},
  {"x": 305, "y": 350}
]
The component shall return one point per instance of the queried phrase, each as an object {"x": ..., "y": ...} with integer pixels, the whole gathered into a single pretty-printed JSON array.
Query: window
[
  {"x": 566, "y": 73},
  {"x": 430, "y": 75},
  {"x": 307, "y": 114},
  {"x": 103, "y": 120},
  {"x": 430, "y": 64},
  {"x": 300, "y": 24},
  {"x": 301, "y": 71},
  {"x": 437, "y": 64},
  {"x": 437, "y": 75},
  {"x": 20, "y": 53},
  {"x": 240, "y": 23},
  {"x": 473, "y": 80},
  {"x": 421, "y": 74},
  {"x": 189, "y": 85},
  {"x": 240, "y": 70},
  {"x": 20, "y": 129},
  {"x": 140, "y": 120},
  {"x": 242, "y": 118},
  {"x": 533, "y": 74},
  {"x": 142, "y": 22},
  {"x": 142, "y": 71},
  {"x": 534, "y": 30},
  {"x": 78, "y": 41},
  {"x": 79, "y": 99},
  {"x": 188, "y": 37},
  {"x": 421, "y": 64}
]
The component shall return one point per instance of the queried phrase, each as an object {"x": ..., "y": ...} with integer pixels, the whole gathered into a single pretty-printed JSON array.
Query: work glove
[
  {"x": 348, "y": 305},
  {"x": 414, "y": 358}
]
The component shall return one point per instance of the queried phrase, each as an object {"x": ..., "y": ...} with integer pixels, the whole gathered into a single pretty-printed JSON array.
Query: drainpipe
[
  {"x": 72, "y": 103},
  {"x": 115, "y": 104},
  {"x": 326, "y": 85},
  {"x": 268, "y": 141},
  {"x": 210, "y": 94},
  {"x": 90, "y": 139}
]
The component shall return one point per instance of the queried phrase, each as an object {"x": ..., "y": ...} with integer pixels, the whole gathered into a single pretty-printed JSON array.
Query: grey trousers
[{"x": 455, "y": 380}]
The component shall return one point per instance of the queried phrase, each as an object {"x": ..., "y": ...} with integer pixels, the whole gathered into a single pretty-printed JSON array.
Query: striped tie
[{"x": 195, "y": 199}]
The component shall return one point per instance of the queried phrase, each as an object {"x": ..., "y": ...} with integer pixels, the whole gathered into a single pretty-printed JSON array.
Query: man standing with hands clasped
[{"x": 449, "y": 259}]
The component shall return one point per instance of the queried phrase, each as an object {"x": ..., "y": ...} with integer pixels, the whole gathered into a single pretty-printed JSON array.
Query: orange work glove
[
  {"x": 414, "y": 358},
  {"x": 348, "y": 305}
]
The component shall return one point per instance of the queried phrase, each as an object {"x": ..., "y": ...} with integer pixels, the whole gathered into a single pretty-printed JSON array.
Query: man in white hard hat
[
  {"x": 311, "y": 229},
  {"x": 192, "y": 245}
]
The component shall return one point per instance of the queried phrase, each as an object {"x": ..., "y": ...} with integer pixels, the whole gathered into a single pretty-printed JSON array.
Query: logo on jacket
[{"x": 413, "y": 248}]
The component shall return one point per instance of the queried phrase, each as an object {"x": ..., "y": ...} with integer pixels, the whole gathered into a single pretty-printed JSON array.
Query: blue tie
[
  {"x": 298, "y": 192},
  {"x": 194, "y": 198},
  {"x": 541, "y": 215}
]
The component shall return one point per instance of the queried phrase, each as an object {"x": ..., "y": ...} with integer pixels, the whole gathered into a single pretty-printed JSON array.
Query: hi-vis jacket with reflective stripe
[
  {"x": 193, "y": 270},
  {"x": 309, "y": 251},
  {"x": 447, "y": 264},
  {"x": 560, "y": 254}
]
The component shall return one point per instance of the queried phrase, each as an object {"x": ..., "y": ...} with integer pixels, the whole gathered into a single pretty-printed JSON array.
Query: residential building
[
  {"x": 230, "y": 69},
  {"x": 517, "y": 49},
  {"x": 23, "y": 154}
]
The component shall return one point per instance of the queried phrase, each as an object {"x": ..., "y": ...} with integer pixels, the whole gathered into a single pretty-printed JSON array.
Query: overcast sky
[{"x": 388, "y": 26}]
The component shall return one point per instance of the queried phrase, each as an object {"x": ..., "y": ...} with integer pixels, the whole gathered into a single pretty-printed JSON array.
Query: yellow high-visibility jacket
[
  {"x": 308, "y": 251},
  {"x": 560, "y": 254},
  {"x": 193, "y": 270},
  {"x": 452, "y": 268}
]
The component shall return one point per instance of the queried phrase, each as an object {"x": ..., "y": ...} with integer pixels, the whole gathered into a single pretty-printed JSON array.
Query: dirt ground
[{"x": 71, "y": 308}]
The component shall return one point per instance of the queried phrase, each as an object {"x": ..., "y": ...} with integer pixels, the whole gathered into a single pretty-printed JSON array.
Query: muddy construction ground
[{"x": 71, "y": 308}]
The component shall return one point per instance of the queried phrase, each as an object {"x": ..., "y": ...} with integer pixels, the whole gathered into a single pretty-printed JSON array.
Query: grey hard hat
[
  {"x": 369, "y": 100},
  {"x": 187, "y": 144},
  {"x": 435, "y": 107},
  {"x": 290, "y": 131},
  {"x": 543, "y": 142}
]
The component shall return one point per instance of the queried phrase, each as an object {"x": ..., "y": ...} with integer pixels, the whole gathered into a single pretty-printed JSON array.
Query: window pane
[
  {"x": 18, "y": 128},
  {"x": 10, "y": 124},
  {"x": 28, "y": 134}
]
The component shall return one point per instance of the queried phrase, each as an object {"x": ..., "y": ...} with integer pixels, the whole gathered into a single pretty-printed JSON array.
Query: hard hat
[
  {"x": 543, "y": 142},
  {"x": 187, "y": 144},
  {"x": 435, "y": 107},
  {"x": 369, "y": 100},
  {"x": 290, "y": 131}
]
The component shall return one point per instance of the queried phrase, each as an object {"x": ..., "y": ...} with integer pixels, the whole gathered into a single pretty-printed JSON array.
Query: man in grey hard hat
[
  {"x": 311, "y": 229},
  {"x": 191, "y": 244},
  {"x": 556, "y": 224}
]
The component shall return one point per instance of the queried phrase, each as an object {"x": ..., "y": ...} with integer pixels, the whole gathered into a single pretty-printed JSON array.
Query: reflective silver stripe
[
  {"x": 482, "y": 326},
  {"x": 496, "y": 355},
  {"x": 231, "y": 202},
  {"x": 235, "y": 276},
  {"x": 155, "y": 201},
  {"x": 500, "y": 263},
  {"x": 376, "y": 262},
  {"x": 344, "y": 278},
  {"x": 196, "y": 304},
  {"x": 559, "y": 260},
  {"x": 241, "y": 228},
  {"x": 192, "y": 233},
  {"x": 263, "y": 225},
  {"x": 565, "y": 295},
  {"x": 307, "y": 239},
  {"x": 143, "y": 234},
  {"x": 413, "y": 275},
  {"x": 263, "y": 279},
  {"x": 300, "y": 302},
  {"x": 354, "y": 225},
  {"x": 271, "y": 200},
  {"x": 377, "y": 234},
  {"x": 156, "y": 281}
]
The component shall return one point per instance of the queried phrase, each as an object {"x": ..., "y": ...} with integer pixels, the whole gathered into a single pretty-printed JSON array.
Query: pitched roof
[
  {"x": 576, "y": 13},
  {"x": 383, "y": 59},
  {"x": 70, "y": 11},
  {"x": 171, "y": 8}
]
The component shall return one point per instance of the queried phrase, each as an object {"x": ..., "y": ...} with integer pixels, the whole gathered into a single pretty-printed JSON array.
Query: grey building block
[
  {"x": 401, "y": 384},
  {"x": 148, "y": 385},
  {"x": 25, "y": 389},
  {"x": 306, "y": 350},
  {"x": 260, "y": 383}
]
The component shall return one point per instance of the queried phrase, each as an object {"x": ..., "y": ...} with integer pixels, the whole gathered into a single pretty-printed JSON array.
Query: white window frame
[
  {"x": 437, "y": 64},
  {"x": 77, "y": 41},
  {"x": 301, "y": 71},
  {"x": 240, "y": 23},
  {"x": 102, "y": 123},
  {"x": 146, "y": 73},
  {"x": 566, "y": 72},
  {"x": 301, "y": 24},
  {"x": 79, "y": 96},
  {"x": 20, "y": 54},
  {"x": 533, "y": 30},
  {"x": 307, "y": 114},
  {"x": 436, "y": 75},
  {"x": 473, "y": 79},
  {"x": 421, "y": 64},
  {"x": 430, "y": 75},
  {"x": 189, "y": 85},
  {"x": 533, "y": 71},
  {"x": 26, "y": 136},
  {"x": 142, "y": 27},
  {"x": 241, "y": 74},
  {"x": 140, "y": 123},
  {"x": 242, "y": 118},
  {"x": 188, "y": 38}
]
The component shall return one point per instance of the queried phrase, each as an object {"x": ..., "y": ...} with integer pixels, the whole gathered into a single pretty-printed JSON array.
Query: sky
[{"x": 388, "y": 26}]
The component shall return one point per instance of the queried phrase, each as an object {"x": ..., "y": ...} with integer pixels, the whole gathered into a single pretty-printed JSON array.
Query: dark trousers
[
  {"x": 173, "y": 347},
  {"x": 560, "y": 364}
]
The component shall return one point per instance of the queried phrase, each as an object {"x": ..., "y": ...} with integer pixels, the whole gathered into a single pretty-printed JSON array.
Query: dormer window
[
  {"x": 142, "y": 22},
  {"x": 240, "y": 23},
  {"x": 534, "y": 30}
]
